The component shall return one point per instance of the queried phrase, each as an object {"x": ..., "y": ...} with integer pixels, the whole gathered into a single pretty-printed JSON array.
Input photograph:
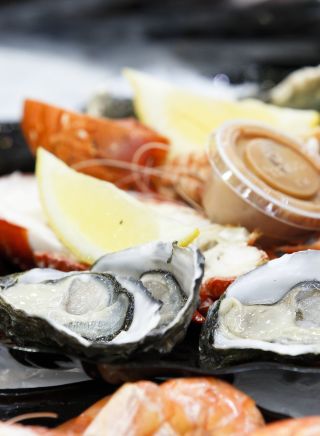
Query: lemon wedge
[
  {"x": 187, "y": 118},
  {"x": 92, "y": 217}
]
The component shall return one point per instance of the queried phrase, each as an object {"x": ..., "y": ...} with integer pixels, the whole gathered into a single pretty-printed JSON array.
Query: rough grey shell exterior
[
  {"x": 266, "y": 285},
  {"x": 40, "y": 334}
]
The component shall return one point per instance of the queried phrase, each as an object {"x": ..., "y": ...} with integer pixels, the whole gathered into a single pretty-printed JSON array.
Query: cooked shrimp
[
  {"x": 207, "y": 406},
  {"x": 309, "y": 426},
  {"x": 77, "y": 426},
  {"x": 190, "y": 406},
  {"x": 186, "y": 406}
]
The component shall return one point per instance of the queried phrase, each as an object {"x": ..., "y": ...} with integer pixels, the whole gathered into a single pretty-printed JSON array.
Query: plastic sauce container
[{"x": 262, "y": 179}]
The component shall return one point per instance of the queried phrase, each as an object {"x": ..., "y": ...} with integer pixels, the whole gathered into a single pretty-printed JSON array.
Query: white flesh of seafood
[
  {"x": 225, "y": 248},
  {"x": 232, "y": 260},
  {"x": 226, "y": 251},
  {"x": 20, "y": 205},
  {"x": 84, "y": 306},
  {"x": 274, "y": 308}
]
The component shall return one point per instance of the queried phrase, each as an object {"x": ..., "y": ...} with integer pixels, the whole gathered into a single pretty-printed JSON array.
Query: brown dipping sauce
[{"x": 262, "y": 179}]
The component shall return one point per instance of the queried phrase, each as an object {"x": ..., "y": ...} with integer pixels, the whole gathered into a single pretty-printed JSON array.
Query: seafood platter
[{"x": 160, "y": 263}]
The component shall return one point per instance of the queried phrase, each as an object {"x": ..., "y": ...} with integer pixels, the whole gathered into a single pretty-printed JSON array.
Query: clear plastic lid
[{"x": 269, "y": 170}]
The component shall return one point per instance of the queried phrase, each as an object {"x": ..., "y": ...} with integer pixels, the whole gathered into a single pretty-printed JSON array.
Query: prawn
[
  {"x": 186, "y": 406},
  {"x": 308, "y": 426}
]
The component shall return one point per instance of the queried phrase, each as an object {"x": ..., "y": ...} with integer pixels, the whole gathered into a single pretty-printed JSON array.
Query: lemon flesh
[
  {"x": 188, "y": 118},
  {"x": 93, "y": 217}
]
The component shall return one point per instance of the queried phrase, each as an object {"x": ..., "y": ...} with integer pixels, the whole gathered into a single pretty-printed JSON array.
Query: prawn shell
[
  {"x": 181, "y": 406},
  {"x": 188, "y": 175},
  {"x": 75, "y": 138},
  {"x": 307, "y": 426}
]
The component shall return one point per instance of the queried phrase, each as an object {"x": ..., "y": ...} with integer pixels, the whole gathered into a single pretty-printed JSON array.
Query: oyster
[
  {"x": 106, "y": 104},
  {"x": 301, "y": 89},
  {"x": 135, "y": 300},
  {"x": 171, "y": 274},
  {"x": 271, "y": 312}
]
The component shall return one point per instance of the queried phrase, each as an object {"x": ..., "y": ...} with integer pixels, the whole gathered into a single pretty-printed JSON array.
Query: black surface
[
  {"x": 300, "y": 383},
  {"x": 67, "y": 401},
  {"x": 260, "y": 41},
  {"x": 14, "y": 153}
]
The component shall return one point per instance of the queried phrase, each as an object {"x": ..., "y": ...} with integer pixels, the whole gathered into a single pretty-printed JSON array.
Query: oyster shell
[
  {"x": 106, "y": 104},
  {"x": 271, "y": 312},
  {"x": 139, "y": 299},
  {"x": 301, "y": 89},
  {"x": 164, "y": 268}
]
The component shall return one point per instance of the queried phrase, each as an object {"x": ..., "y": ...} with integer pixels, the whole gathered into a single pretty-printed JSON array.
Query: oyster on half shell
[
  {"x": 270, "y": 313},
  {"x": 138, "y": 299}
]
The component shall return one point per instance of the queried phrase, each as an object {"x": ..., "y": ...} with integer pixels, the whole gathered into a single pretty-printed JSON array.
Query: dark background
[{"x": 247, "y": 40}]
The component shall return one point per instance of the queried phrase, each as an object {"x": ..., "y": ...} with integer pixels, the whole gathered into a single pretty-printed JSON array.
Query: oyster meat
[
  {"x": 139, "y": 299},
  {"x": 91, "y": 305},
  {"x": 269, "y": 313},
  {"x": 164, "y": 286}
]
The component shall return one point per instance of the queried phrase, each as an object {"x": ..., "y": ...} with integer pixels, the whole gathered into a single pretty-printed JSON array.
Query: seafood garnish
[
  {"x": 187, "y": 117},
  {"x": 269, "y": 313},
  {"x": 137, "y": 299}
]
